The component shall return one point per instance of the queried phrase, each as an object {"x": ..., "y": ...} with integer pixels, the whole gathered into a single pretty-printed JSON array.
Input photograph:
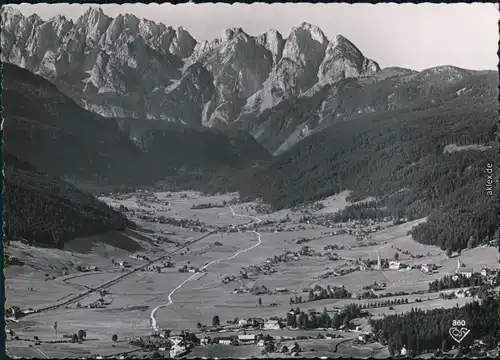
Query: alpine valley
[
  {"x": 254, "y": 196},
  {"x": 286, "y": 120}
]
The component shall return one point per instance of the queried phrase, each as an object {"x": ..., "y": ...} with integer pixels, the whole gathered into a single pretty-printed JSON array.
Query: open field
[{"x": 197, "y": 297}]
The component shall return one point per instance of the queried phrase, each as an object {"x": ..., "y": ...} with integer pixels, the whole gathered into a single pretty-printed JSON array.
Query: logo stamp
[{"x": 458, "y": 332}]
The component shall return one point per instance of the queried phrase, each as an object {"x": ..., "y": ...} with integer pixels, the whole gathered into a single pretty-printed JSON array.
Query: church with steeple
[{"x": 462, "y": 270}]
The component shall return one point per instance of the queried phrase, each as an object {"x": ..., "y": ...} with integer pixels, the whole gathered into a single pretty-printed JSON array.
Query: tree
[
  {"x": 311, "y": 295},
  {"x": 459, "y": 252},
  {"x": 290, "y": 319},
  {"x": 260, "y": 301},
  {"x": 199, "y": 326},
  {"x": 55, "y": 328},
  {"x": 449, "y": 252},
  {"x": 81, "y": 334},
  {"x": 74, "y": 338},
  {"x": 270, "y": 346},
  {"x": 284, "y": 349},
  {"x": 396, "y": 256},
  {"x": 114, "y": 338},
  {"x": 471, "y": 242},
  {"x": 216, "y": 320}
]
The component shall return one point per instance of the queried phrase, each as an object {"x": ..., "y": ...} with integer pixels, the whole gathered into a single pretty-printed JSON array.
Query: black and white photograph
[{"x": 250, "y": 180}]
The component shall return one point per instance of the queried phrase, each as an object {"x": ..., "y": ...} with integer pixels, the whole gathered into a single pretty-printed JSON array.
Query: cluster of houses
[
  {"x": 122, "y": 264},
  {"x": 15, "y": 312},
  {"x": 428, "y": 268},
  {"x": 243, "y": 339},
  {"x": 190, "y": 269},
  {"x": 194, "y": 225}
]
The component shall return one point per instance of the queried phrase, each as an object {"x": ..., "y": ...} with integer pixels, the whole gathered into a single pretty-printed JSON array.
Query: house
[
  {"x": 246, "y": 339},
  {"x": 205, "y": 340},
  {"x": 272, "y": 325},
  {"x": 462, "y": 293},
  {"x": 225, "y": 341},
  {"x": 242, "y": 322},
  {"x": 13, "y": 311},
  {"x": 255, "y": 322},
  {"x": 281, "y": 290},
  {"x": 428, "y": 267},
  {"x": 348, "y": 327},
  {"x": 485, "y": 271},
  {"x": 362, "y": 337},
  {"x": 177, "y": 350},
  {"x": 394, "y": 265},
  {"x": 261, "y": 343},
  {"x": 176, "y": 340},
  {"x": 403, "y": 351}
]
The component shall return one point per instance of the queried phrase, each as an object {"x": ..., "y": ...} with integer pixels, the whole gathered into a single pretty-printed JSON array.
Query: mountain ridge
[{"x": 126, "y": 66}]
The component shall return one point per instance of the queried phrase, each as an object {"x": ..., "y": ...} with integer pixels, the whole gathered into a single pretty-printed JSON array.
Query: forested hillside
[
  {"x": 45, "y": 210},
  {"x": 399, "y": 157},
  {"x": 427, "y": 331},
  {"x": 177, "y": 146},
  {"x": 49, "y": 130}
]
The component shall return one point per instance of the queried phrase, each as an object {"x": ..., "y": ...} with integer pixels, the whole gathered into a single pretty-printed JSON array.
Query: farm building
[
  {"x": 281, "y": 290},
  {"x": 225, "y": 340},
  {"x": 246, "y": 339},
  {"x": 272, "y": 325},
  {"x": 428, "y": 267},
  {"x": 394, "y": 265}
]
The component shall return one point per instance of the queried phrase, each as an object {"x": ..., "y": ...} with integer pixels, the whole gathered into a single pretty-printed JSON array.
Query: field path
[{"x": 152, "y": 318}]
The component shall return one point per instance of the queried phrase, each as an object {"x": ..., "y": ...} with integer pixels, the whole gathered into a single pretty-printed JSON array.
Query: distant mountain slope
[
  {"x": 398, "y": 156},
  {"x": 390, "y": 89},
  {"x": 47, "y": 129},
  {"x": 177, "y": 146},
  {"x": 48, "y": 138}
]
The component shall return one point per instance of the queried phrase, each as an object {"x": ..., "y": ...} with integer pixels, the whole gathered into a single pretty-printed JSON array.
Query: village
[{"x": 305, "y": 290}]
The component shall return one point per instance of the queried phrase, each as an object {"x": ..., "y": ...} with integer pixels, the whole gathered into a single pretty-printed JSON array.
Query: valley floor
[{"x": 219, "y": 244}]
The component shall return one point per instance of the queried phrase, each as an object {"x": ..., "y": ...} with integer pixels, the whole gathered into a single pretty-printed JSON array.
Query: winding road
[{"x": 152, "y": 318}]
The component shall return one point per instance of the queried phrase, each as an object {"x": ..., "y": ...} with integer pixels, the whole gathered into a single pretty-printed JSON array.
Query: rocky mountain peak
[
  {"x": 230, "y": 34},
  {"x": 316, "y": 33},
  {"x": 92, "y": 24},
  {"x": 182, "y": 44},
  {"x": 344, "y": 60},
  {"x": 306, "y": 43},
  {"x": 273, "y": 41}
]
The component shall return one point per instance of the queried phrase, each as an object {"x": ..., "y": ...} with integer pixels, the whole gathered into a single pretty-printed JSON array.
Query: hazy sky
[{"x": 407, "y": 35}]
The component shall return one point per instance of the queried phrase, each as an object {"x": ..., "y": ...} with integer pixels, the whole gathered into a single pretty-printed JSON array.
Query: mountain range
[
  {"x": 135, "y": 68},
  {"x": 138, "y": 102}
]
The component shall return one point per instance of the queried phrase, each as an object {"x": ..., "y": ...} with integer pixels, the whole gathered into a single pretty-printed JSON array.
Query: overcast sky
[{"x": 407, "y": 35}]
